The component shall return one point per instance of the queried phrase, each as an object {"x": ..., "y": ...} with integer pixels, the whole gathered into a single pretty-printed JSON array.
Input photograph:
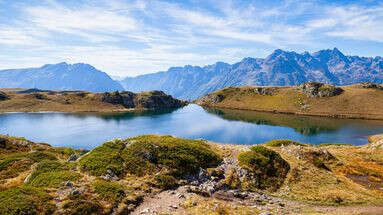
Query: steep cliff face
[
  {"x": 60, "y": 76},
  {"x": 281, "y": 68}
]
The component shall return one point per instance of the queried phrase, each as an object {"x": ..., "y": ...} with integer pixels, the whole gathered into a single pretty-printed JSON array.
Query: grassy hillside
[
  {"x": 19, "y": 100},
  {"x": 356, "y": 101},
  {"x": 168, "y": 175}
]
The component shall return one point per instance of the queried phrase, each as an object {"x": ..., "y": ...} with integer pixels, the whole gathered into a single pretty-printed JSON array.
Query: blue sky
[{"x": 132, "y": 37}]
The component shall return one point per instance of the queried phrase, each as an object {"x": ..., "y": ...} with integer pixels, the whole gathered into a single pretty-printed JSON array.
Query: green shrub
[
  {"x": 179, "y": 156},
  {"x": 12, "y": 167},
  {"x": 268, "y": 166},
  {"x": 147, "y": 154},
  {"x": 104, "y": 157},
  {"x": 25, "y": 200},
  {"x": 283, "y": 142},
  {"x": 165, "y": 181},
  {"x": 38, "y": 156},
  {"x": 107, "y": 190},
  {"x": 79, "y": 206},
  {"x": 51, "y": 174}
]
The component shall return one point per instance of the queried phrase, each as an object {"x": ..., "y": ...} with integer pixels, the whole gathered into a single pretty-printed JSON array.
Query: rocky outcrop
[
  {"x": 157, "y": 100},
  {"x": 211, "y": 99},
  {"x": 3, "y": 96},
  {"x": 265, "y": 91},
  {"x": 146, "y": 100},
  {"x": 368, "y": 85},
  {"x": 125, "y": 98},
  {"x": 316, "y": 89}
]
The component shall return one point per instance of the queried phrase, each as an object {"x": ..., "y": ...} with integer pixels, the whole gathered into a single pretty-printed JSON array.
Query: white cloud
[{"x": 135, "y": 37}]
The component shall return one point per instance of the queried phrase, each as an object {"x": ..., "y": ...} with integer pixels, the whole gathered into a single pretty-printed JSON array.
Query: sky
[{"x": 133, "y": 37}]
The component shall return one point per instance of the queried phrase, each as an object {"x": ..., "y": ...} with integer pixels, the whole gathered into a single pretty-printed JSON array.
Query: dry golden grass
[
  {"x": 354, "y": 102},
  {"x": 62, "y": 102},
  {"x": 199, "y": 205},
  {"x": 308, "y": 183}
]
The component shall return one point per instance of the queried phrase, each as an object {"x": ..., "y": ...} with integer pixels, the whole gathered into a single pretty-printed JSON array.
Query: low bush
[
  {"x": 268, "y": 167},
  {"x": 25, "y": 200},
  {"x": 104, "y": 157},
  {"x": 109, "y": 190},
  {"x": 178, "y": 156},
  {"x": 80, "y": 206},
  {"x": 52, "y": 174},
  {"x": 38, "y": 156},
  {"x": 283, "y": 142},
  {"x": 165, "y": 181}
]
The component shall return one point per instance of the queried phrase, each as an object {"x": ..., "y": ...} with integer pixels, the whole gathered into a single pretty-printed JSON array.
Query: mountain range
[
  {"x": 281, "y": 68},
  {"x": 60, "y": 76}
]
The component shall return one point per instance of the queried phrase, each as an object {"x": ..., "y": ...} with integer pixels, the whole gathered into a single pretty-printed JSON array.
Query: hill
[
  {"x": 168, "y": 175},
  {"x": 281, "y": 68},
  {"x": 354, "y": 101},
  {"x": 60, "y": 76},
  {"x": 35, "y": 100}
]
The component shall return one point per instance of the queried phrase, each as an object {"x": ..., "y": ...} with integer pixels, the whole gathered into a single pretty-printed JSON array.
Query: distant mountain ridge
[
  {"x": 281, "y": 68},
  {"x": 61, "y": 76}
]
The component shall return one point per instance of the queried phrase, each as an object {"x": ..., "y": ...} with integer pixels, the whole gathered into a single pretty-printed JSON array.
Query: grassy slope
[
  {"x": 59, "y": 102},
  {"x": 354, "y": 102}
]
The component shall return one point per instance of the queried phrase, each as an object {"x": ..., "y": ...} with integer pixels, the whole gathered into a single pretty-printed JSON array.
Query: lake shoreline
[{"x": 324, "y": 115}]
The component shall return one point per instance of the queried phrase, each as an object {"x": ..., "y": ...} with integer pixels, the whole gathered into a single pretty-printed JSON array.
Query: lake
[{"x": 88, "y": 130}]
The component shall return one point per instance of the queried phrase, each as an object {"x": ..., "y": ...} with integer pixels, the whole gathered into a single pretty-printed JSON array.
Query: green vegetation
[
  {"x": 282, "y": 142},
  {"x": 109, "y": 191},
  {"x": 38, "y": 156},
  {"x": 165, "y": 181},
  {"x": 104, "y": 157},
  {"x": 145, "y": 154},
  {"x": 179, "y": 156},
  {"x": 51, "y": 174},
  {"x": 80, "y": 206},
  {"x": 25, "y": 200},
  {"x": 268, "y": 166}
]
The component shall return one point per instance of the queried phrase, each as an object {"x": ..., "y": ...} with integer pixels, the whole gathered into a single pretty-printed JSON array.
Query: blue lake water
[{"x": 88, "y": 130}]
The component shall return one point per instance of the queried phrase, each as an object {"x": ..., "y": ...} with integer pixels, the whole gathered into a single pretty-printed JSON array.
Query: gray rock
[
  {"x": 110, "y": 176},
  {"x": 69, "y": 184},
  {"x": 73, "y": 157},
  {"x": 76, "y": 192}
]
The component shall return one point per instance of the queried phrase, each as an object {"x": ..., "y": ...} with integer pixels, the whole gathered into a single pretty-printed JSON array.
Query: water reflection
[
  {"x": 302, "y": 124},
  {"x": 88, "y": 130}
]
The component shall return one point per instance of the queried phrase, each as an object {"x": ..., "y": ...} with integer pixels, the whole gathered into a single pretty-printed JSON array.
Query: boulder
[{"x": 73, "y": 157}]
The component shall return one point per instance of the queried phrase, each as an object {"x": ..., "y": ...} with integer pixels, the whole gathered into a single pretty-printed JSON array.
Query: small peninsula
[
  {"x": 360, "y": 101},
  {"x": 35, "y": 100}
]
